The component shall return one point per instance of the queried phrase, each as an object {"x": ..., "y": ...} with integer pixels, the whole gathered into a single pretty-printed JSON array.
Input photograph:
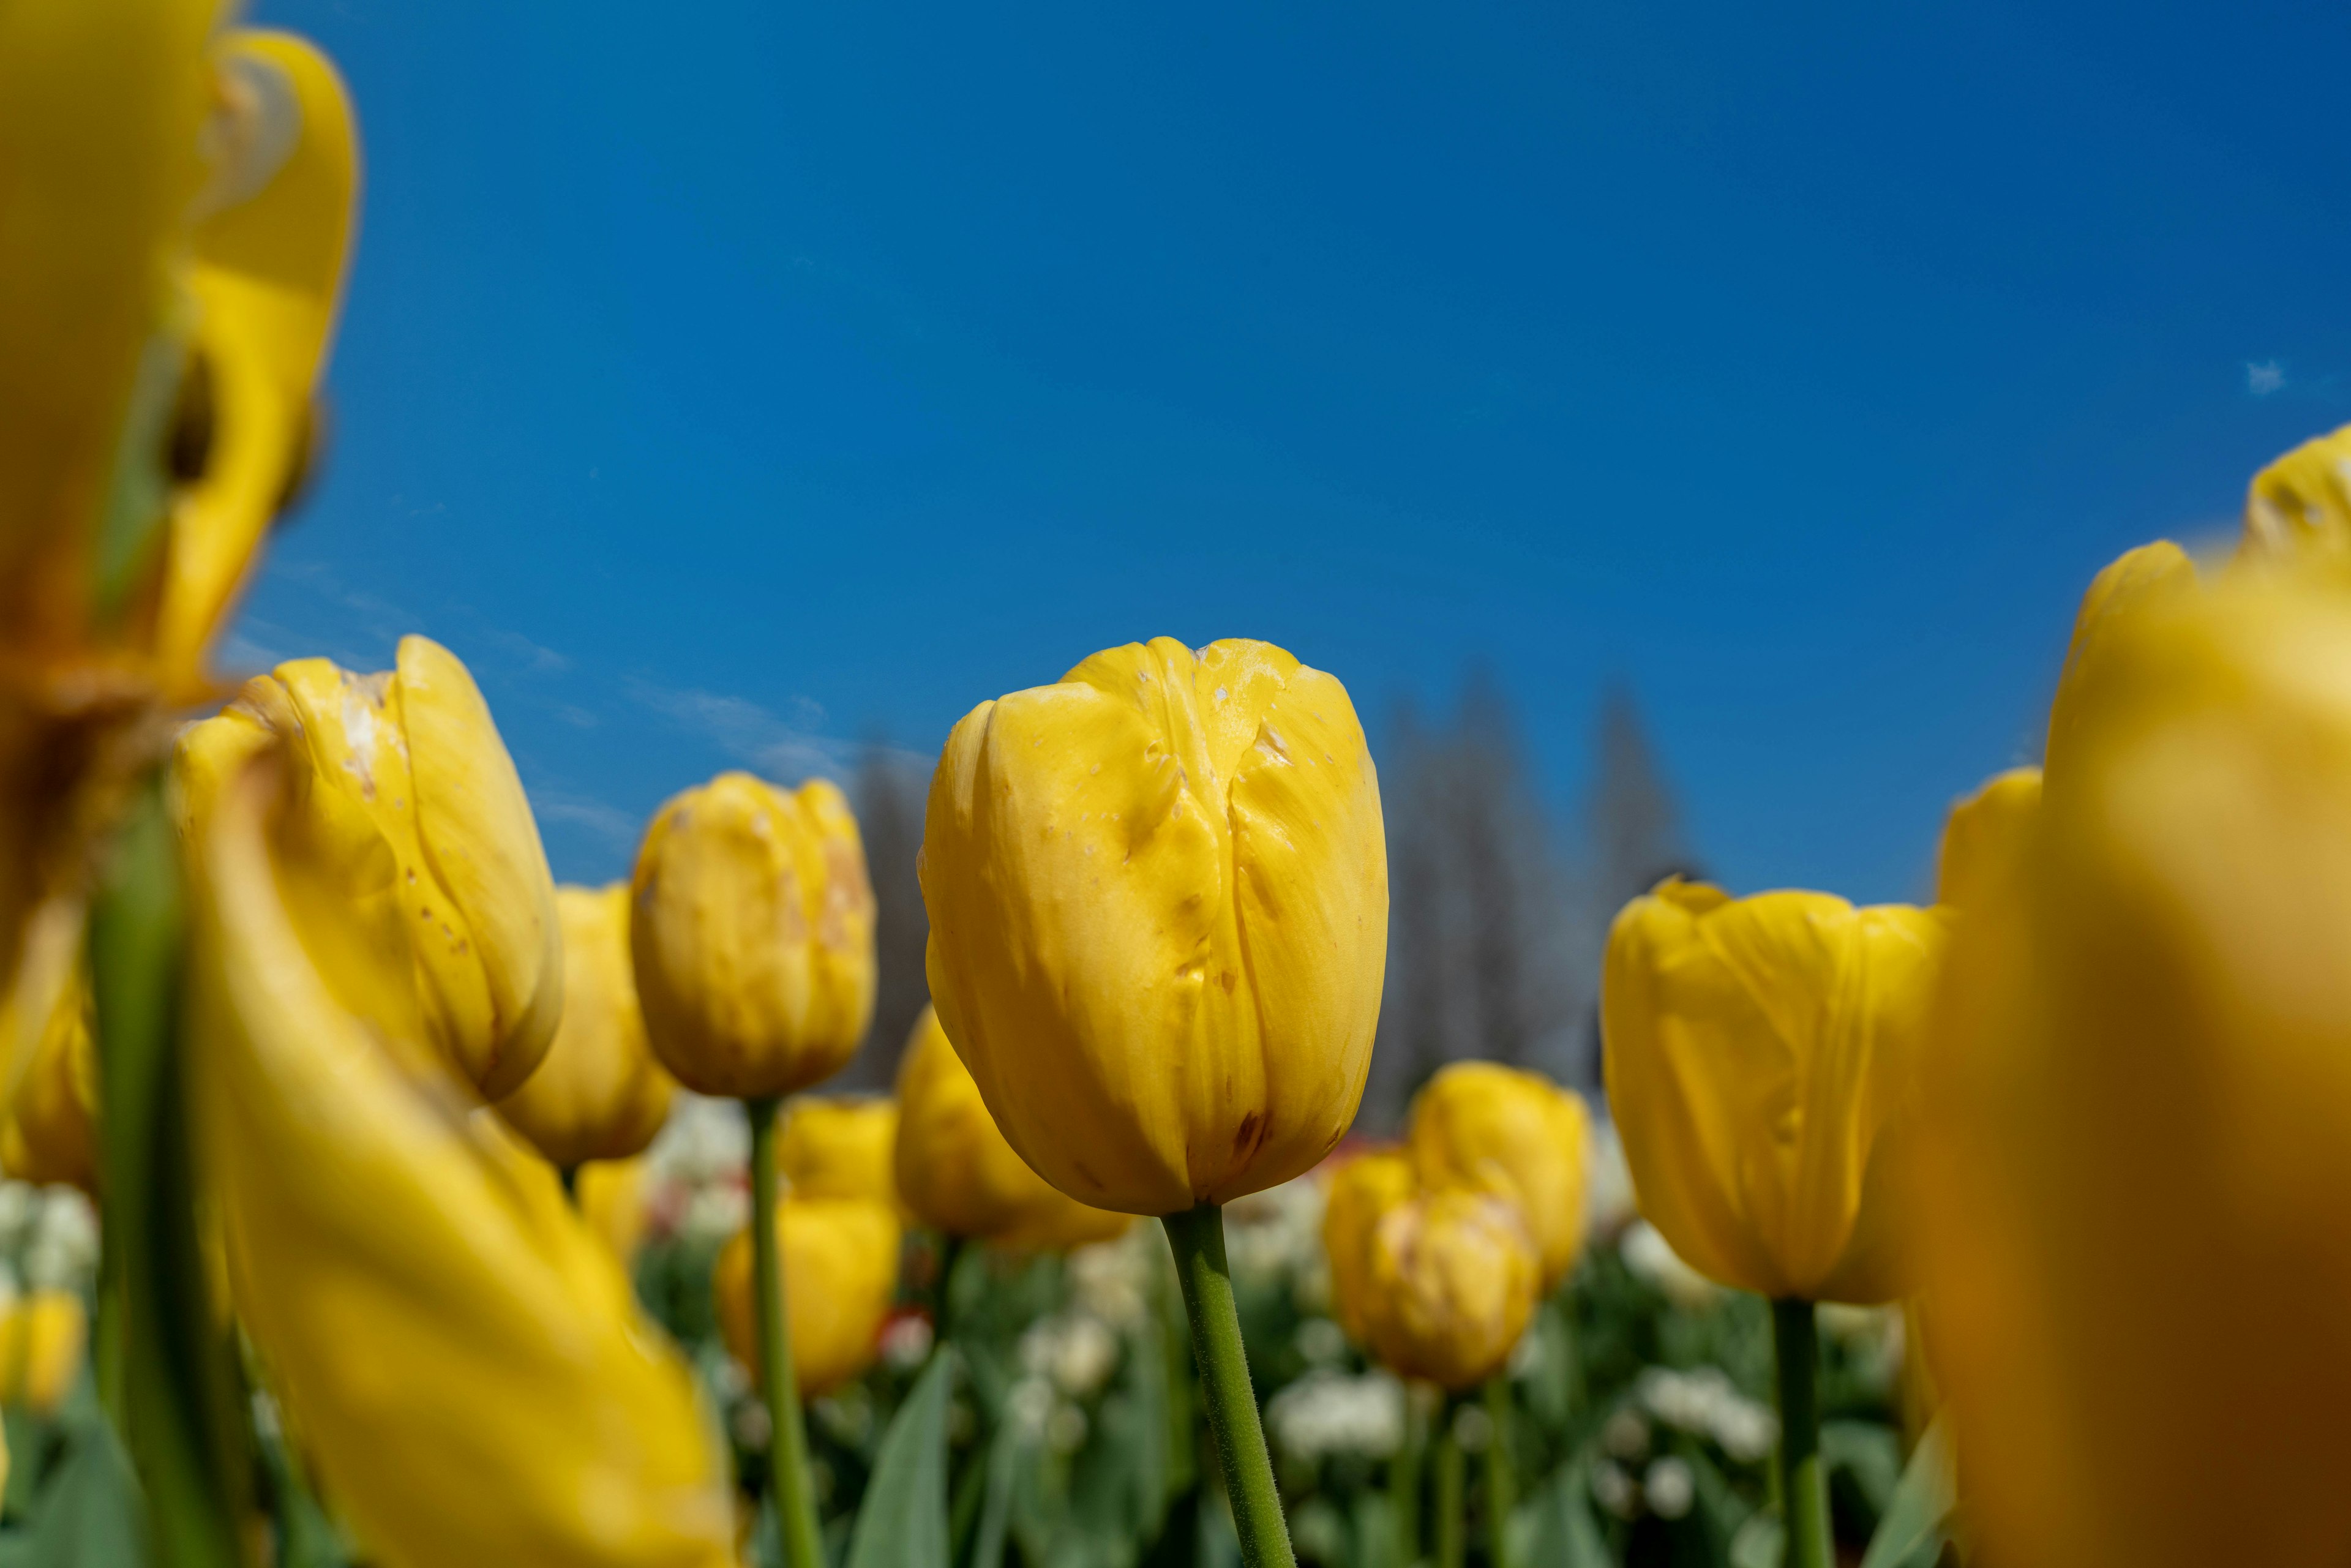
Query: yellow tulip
[
  {"x": 599, "y": 1094},
  {"x": 178, "y": 209},
  {"x": 404, "y": 793},
  {"x": 611, "y": 1194},
  {"x": 1477, "y": 1123},
  {"x": 42, "y": 1337},
  {"x": 839, "y": 1148},
  {"x": 2133, "y": 1207},
  {"x": 1983, "y": 838},
  {"x": 841, "y": 1273},
  {"x": 2138, "y": 582},
  {"x": 956, "y": 1171},
  {"x": 1453, "y": 1279},
  {"x": 465, "y": 1358},
  {"x": 51, "y": 1130},
  {"x": 753, "y": 931},
  {"x": 1761, "y": 1054},
  {"x": 1158, "y": 898},
  {"x": 2299, "y": 508},
  {"x": 1361, "y": 1192}
]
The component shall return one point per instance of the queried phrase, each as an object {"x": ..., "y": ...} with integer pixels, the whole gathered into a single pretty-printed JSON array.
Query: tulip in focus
[
  {"x": 839, "y": 1148},
  {"x": 841, "y": 1272},
  {"x": 599, "y": 1094},
  {"x": 753, "y": 930},
  {"x": 957, "y": 1175},
  {"x": 467, "y": 1361},
  {"x": 401, "y": 794},
  {"x": 1479, "y": 1124},
  {"x": 2133, "y": 1205},
  {"x": 42, "y": 1336},
  {"x": 50, "y": 1132},
  {"x": 1761, "y": 1056}
]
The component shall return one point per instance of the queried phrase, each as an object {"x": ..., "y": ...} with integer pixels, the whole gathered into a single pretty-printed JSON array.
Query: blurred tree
[
  {"x": 887, "y": 793},
  {"x": 1637, "y": 841}
]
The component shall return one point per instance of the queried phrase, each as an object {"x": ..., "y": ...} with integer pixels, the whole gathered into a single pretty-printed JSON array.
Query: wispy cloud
[
  {"x": 752, "y": 733},
  {"x": 2263, "y": 377},
  {"x": 602, "y": 819}
]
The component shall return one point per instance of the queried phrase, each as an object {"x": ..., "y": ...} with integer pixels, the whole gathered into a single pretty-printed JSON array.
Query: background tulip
[
  {"x": 612, "y": 1198},
  {"x": 2133, "y": 1205},
  {"x": 956, "y": 1171},
  {"x": 840, "y": 1270},
  {"x": 1479, "y": 1124},
  {"x": 1759, "y": 1051},
  {"x": 753, "y": 933},
  {"x": 2299, "y": 508},
  {"x": 405, "y": 795},
  {"x": 1159, "y": 902},
  {"x": 841, "y": 1148},
  {"x": 51, "y": 1134},
  {"x": 1453, "y": 1277},
  {"x": 597, "y": 1094},
  {"x": 1361, "y": 1190},
  {"x": 466, "y": 1361},
  {"x": 42, "y": 1338}
]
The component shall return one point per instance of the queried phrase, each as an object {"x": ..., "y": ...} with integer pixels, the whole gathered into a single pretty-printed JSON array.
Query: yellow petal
[
  {"x": 1984, "y": 836},
  {"x": 752, "y": 927},
  {"x": 2136, "y": 582},
  {"x": 466, "y": 1359},
  {"x": 1158, "y": 901},
  {"x": 54, "y": 1116},
  {"x": 599, "y": 1094},
  {"x": 1759, "y": 1052},
  {"x": 1361, "y": 1190},
  {"x": 2299, "y": 508},
  {"x": 839, "y": 1148},
  {"x": 1476, "y": 1120},
  {"x": 42, "y": 1339},
  {"x": 841, "y": 1272},
  {"x": 1454, "y": 1278}
]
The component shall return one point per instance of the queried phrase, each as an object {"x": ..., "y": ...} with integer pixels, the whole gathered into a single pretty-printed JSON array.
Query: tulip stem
[
  {"x": 1502, "y": 1483},
  {"x": 1404, "y": 1475},
  {"x": 1803, "y": 1488},
  {"x": 788, "y": 1440},
  {"x": 1452, "y": 1547},
  {"x": 570, "y": 1177},
  {"x": 1198, "y": 1238}
]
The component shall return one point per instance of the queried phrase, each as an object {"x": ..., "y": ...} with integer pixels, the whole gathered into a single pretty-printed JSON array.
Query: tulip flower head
[
  {"x": 42, "y": 1336},
  {"x": 599, "y": 1094},
  {"x": 957, "y": 1175},
  {"x": 1361, "y": 1190},
  {"x": 753, "y": 930},
  {"x": 1158, "y": 904},
  {"x": 1453, "y": 1276},
  {"x": 841, "y": 1273},
  {"x": 2132, "y": 1208},
  {"x": 1481, "y": 1123},
  {"x": 1984, "y": 838},
  {"x": 403, "y": 792},
  {"x": 1760, "y": 1055},
  {"x": 2299, "y": 508},
  {"x": 839, "y": 1148},
  {"x": 50, "y": 1132}
]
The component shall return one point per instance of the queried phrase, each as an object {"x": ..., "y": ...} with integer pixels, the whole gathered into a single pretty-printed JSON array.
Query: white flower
[
  {"x": 1624, "y": 1435},
  {"x": 1328, "y": 1412},
  {"x": 1112, "y": 1280},
  {"x": 714, "y": 1213},
  {"x": 18, "y": 1202},
  {"x": 1277, "y": 1233},
  {"x": 1323, "y": 1343},
  {"x": 1668, "y": 1487},
  {"x": 1028, "y": 1405},
  {"x": 1074, "y": 1349},
  {"x": 1704, "y": 1403},
  {"x": 1613, "y": 1490},
  {"x": 906, "y": 1342},
  {"x": 1651, "y": 1258},
  {"x": 1607, "y": 1182}
]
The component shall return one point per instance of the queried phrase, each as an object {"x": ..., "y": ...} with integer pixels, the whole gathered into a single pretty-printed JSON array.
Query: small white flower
[
  {"x": 1323, "y": 1341},
  {"x": 906, "y": 1342},
  {"x": 714, "y": 1213},
  {"x": 1669, "y": 1488},
  {"x": 1613, "y": 1490},
  {"x": 1472, "y": 1428},
  {"x": 1624, "y": 1435},
  {"x": 1651, "y": 1258},
  {"x": 1028, "y": 1405},
  {"x": 1327, "y": 1411}
]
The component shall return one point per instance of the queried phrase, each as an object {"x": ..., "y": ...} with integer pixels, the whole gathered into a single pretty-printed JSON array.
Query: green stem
[
  {"x": 1451, "y": 1467},
  {"x": 1198, "y": 1237},
  {"x": 787, "y": 1445},
  {"x": 1501, "y": 1483},
  {"x": 950, "y": 1254},
  {"x": 570, "y": 1177},
  {"x": 1803, "y": 1488},
  {"x": 1404, "y": 1476}
]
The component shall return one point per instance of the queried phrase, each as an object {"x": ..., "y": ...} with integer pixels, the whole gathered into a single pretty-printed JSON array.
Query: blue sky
[{"x": 728, "y": 385}]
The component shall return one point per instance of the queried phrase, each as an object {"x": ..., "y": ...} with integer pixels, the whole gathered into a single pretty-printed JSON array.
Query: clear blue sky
[{"x": 724, "y": 382}]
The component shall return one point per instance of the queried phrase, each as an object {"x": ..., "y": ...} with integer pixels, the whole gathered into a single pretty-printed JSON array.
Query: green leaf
[
  {"x": 1911, "y": 1534},
  {"x": 1556, "y": 1524},
  {"x": 996, "y": 1513},
  {"x": 904, "y": 1522},
  {"x": 91, "y": 1514}
]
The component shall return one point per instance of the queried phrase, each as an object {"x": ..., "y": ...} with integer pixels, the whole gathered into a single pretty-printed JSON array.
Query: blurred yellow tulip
[
  {"x": 175, "y": 210},
  {"x": 2299, "y": 508},
  {"x": 753, "y": 931},
  {"x": 1453, "y": 1279},
  {"x": 402, "y": 793},
  {"x": 2139, "y": 581},
  {"x": 956, "y": 1171},
  {"x": 467, "y": 1361},
  {"x": 1158, "y": 897},
  {"x": 42, "y": 1338},
  {"x": 1478, "y": 1123},
  {"x": 1984, "y": 838},
  {"x": 611, "y": 1197},
  {"x": 1361, "y": 1191},
  {"x": 841, "y": 1273},
  {"x": 599, "y": 1094},
  {"x": 50, "y": 1132},
  {"x": 839, "y": 1148},
  {"x": 1760, "y": 1055},
  {"x": 2133, "y": 1199}
]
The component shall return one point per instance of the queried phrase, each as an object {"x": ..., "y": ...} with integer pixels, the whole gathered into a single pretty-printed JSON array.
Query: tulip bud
[
  {"x": 404, "y": 793},
  {"x": 1158, "y": 900},
  {"x": 1361, "y": 1190},
  {"x": 468, "y": 1364},
  {"x": 1453, "y": 1280},
  {"x": 612, "y": 1197},
  {"x": 2132, "y": 1209},
  {"x": 2299, "y": 508},
  {"x": 753, "y": 933},
  {"x": 1759, "y": 1052},
  {"x": 957, "y": 1174},
  {"x": 839, "y": 1148},
  {"x": 1477, "y": 1123},
  {"x": 42, "y": 1337},
  {"x": 1984, "y": 838},
  {"x": 599, "y": 1094},
  {"x": 50, "y": 1132},
  {"x": 2138, "y": 582},
  {"x": 841, "y": 1272}
]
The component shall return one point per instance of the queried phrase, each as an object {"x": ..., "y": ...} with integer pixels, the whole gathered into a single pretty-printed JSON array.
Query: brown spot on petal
[{"x": 1245, "y": 1140}]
